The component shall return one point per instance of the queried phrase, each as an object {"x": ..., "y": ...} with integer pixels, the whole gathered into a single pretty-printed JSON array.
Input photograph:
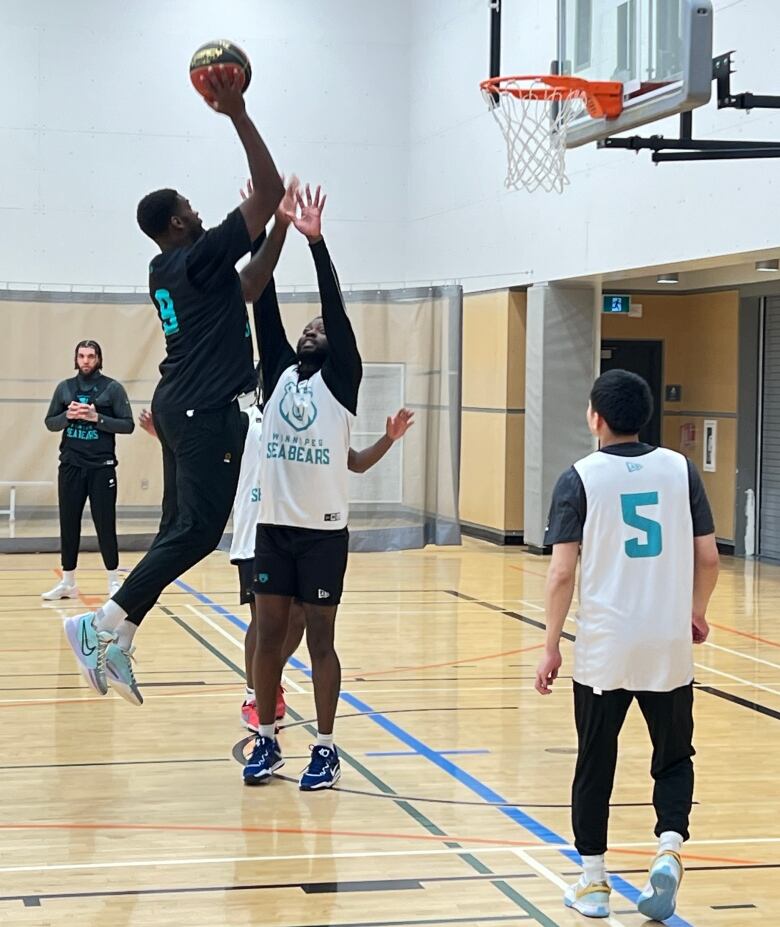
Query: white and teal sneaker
[
  {"x": 589, "y": 898},
  {"x": 89, "y": 646},
  {"x": 120, "y": 675},
  {"x": 659, "y": 898}
]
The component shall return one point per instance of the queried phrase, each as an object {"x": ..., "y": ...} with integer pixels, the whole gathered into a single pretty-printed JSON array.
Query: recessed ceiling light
[
  {"x": 667, "y": 278},
  {"x": 769, "y": 266}
]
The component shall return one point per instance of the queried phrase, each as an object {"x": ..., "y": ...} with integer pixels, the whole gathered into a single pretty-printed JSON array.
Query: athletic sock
[
  {"x": 593, "y": 868},
  {"x": 250, "y": 695},
  {"x": 125, "y": 634},
  {"x": 670, "y": 840},
  {"x": 324, "y": 740},
  {"x": 110, "y": 616},
  {"x": 267, "y": 730},
  {"x": 113, "y": 576},
  {"x": 69, "y": 577}
]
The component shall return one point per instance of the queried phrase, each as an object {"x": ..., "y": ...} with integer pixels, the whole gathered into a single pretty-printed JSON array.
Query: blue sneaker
[
  {"x": 120, "y": 675},
  {"x": 89, "y": 646},
  {"x": 323, "y": 771},
  {"x": 659, "y": 898},
  {"x": 266, "y": 758},
  {"x": 589, "y": 898}
]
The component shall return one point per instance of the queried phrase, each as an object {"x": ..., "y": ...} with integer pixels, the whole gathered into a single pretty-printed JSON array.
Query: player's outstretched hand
[
  {"x": 398, "y": 424},
  {"x": 287, "y": 210},
  {"x": 225, "y": 94},
  {"x": 547, "y": 671},
  {"x": 145, "y": 421},
  {"x": 309, "y": 219},
  {"x": 700, "y": 629}
]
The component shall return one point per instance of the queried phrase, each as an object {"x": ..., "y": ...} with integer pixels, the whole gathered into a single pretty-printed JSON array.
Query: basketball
[{"x": 222, "y": 54}]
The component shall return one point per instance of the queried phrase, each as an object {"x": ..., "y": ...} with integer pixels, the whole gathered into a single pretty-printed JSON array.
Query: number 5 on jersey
[
  {"x": 653, "y": 543},
  {"x": 170, "y": 323}
]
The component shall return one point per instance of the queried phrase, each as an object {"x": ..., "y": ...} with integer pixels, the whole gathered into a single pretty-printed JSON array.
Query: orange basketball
[{"x": 221, "y": 54}]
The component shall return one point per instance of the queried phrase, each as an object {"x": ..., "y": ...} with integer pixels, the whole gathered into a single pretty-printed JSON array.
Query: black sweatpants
[
  {"x": 599, "y": 718},
  {"x": 75, "y": 485},
  {"x": 201, "y": 462}
]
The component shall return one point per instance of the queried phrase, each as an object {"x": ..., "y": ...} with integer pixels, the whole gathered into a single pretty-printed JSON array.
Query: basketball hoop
[{"x": 534, "y": 113}]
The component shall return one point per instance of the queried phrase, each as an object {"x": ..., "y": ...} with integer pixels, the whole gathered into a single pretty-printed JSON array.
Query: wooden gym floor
[{"x": 453, "y": 805}]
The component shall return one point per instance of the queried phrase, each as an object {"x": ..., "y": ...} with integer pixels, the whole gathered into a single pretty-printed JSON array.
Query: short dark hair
[
  {"x": 155, "y": 210},
  {"x": 88, "y": 344},
  {"x": 623, "y": 399}
]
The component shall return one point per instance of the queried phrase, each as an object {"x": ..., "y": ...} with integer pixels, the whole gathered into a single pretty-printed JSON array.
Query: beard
[{"x": 312, "y": 357}]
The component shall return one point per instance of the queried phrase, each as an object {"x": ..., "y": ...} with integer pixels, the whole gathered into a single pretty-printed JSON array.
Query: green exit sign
[{"x": 616, "y": 304}]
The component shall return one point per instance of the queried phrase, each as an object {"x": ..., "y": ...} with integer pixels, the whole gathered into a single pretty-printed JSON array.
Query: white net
[{"x": 535, "y": 132}]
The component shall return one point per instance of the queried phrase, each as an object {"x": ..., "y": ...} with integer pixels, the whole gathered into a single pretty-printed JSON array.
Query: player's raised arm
[
  {"x": 226, "y": 97},
  {"x": 256, "y": 275}
]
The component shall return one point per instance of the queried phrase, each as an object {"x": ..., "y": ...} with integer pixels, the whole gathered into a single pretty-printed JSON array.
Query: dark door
[{"x": 646, "y": 359}]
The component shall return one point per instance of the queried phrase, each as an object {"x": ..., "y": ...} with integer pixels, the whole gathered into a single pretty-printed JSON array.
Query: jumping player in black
[{"x": 201, "y": 302}]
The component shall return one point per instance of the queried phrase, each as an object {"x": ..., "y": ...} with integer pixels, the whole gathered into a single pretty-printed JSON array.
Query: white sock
[
  {"x": 267, "y": 730},
  {"x": 250, "y": 695},
  {"x": 113, "y": 576},
  {"x": 69, "y": 577},
  {"x": 110, "y": 616},
  {"x": 670, "y": 840},
  {"x": 593, "y": 868},
  {"x": 125, "y": 634},
  {"x": 324, "y": 740}
]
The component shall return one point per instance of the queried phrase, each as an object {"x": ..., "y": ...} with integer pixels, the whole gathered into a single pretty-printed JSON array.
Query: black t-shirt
[
  {"x": 569, "y": 503},
  {"x": 197, "y": 293}
]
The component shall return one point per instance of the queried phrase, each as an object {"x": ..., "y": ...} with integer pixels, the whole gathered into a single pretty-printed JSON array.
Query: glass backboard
[{"x": 661, "y": 51}]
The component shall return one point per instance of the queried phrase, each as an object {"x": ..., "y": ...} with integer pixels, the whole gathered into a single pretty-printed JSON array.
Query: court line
[
  {"x": 240, "y": 644},
  {"x": 753, "y": 637},
  {"x": 744, "y": 656},
  {"x": 404, "y": 669},
  {"x": 556, "y": 880},
  {"x": 526, "y": 821},
  {"x": 755, "y": 685}
]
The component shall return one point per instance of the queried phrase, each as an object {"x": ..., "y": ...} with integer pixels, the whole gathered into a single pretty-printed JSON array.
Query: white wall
[
  {"x": 620, "y": 211},
  {"x": 98, "y": 110}
]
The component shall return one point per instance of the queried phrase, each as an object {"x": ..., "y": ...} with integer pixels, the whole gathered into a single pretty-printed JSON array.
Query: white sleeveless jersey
[
  {"x": 246, "y": 508},
  {"x": 305, "y": 449},
  {"x": 636, "y": 573}
]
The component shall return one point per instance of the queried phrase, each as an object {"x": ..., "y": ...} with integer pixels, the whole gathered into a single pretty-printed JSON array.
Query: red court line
[
  {"x": 88, "y": 600},
  {"x": 753, "y": 637},
  {"x": 100, "y": 698},
  {"x": 316, "y": 832},
  {"x": 519, "y": 569},
  {"x": 404, "y": 669}
]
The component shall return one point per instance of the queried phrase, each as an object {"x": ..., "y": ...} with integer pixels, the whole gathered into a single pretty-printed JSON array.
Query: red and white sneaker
[
  {"x": 281, "y": 705},
  {"x": 249, "y": 717}
]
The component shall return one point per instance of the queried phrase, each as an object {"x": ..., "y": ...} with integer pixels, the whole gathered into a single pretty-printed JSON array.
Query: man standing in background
[{"x": 89, "y": 409}]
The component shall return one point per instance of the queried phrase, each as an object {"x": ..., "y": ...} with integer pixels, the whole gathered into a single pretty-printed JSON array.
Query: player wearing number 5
[
  {"x": 639, "y": 520},
  {"x": 201, "y": 302}
]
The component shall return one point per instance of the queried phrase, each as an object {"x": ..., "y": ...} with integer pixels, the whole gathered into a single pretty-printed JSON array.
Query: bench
[{"x": 17, "y": 484}]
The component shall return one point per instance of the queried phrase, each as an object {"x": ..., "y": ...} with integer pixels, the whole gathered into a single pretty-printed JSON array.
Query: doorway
[{"x": 645, "y": 358}]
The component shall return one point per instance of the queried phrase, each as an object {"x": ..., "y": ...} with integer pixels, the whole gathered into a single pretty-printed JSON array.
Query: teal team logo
[
  {"x": 262, "y": 577},
  {"x": 297, "y": 407}
]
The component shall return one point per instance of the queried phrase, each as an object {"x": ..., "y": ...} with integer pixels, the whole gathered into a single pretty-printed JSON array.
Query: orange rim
[{"x": 603, "y": 98}]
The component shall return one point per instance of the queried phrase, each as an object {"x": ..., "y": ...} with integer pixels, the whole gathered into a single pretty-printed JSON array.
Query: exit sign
[{"x": 616, "y": 304}]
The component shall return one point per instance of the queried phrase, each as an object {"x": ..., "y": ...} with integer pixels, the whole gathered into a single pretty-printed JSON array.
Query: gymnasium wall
[
  {"x": 493, "y": 422},
  {"x": 700, "y": 345},
  {"x": 620, "y": 211},
  {"x": 102, "y": 112},
  {"x": 409, "y": 342},
  {"x": 700, "y": 334}
]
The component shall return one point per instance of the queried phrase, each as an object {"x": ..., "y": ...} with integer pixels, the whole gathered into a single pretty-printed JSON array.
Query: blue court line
[
  {"x": 518, "y": 816},
  {"x": 413, "y": 753}
]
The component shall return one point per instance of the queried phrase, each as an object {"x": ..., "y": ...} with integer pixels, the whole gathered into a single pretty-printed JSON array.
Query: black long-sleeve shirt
[
  {"x": 90, "y": 444},
  {"x": 343, "y": 368}
]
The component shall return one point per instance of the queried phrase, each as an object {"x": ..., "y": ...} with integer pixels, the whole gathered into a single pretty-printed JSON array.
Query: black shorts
[
  {"x": 305, "y": 563},
  {"x": 246, "y": 581}
]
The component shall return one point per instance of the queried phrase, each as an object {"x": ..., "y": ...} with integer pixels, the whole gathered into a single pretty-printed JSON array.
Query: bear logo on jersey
[{"x": 297, "y": 406}]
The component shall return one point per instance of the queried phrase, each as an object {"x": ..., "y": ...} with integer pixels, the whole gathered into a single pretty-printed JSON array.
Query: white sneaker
[
  {"x": 659, "y": 897},
  {"x": 62, "y": 590},
  {"x": 589, "y": 898}
]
